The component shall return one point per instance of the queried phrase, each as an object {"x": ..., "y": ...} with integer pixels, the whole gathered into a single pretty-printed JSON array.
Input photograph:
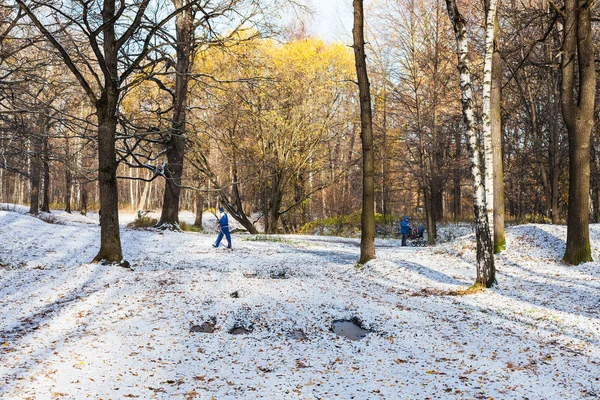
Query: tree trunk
[
  {"x": 553, "y": 101},
  {"x": 486, "y": 271},
  {"x": 456, "y": 191},
  {"x": 34, "y": 178},
  {"x": 594, "y": 183},
  {"x": 486, "y": 117},
  {"x": 495, "y": 116},
  {"x": 578, "y": 113},
  {"x": 84, "y": 200},
  {"x": 176, "y": 143},
  {"x": 367, "y": 243},
  {"x": 199, "y": 209},
  {"x": 430, "y": 215},
  {"x": 68, "y": 188},
  {"x": 385, "y": 164},
  {"x": 68, "y": 177},
  {"x": 46, "y": 164},
  {"x": 275, "y": 199},
  {"x": 110, "y": 239}
]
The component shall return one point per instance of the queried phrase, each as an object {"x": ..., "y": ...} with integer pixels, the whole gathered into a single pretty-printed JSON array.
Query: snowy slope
[{"x": 69, "y": 329}]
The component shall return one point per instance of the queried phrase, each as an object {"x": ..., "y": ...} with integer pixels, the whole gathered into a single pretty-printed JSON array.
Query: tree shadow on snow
[
  {"x": 20, "y": 332},
  {"x": 429, "y": 273},
  {"x": 571, "y": 297}
]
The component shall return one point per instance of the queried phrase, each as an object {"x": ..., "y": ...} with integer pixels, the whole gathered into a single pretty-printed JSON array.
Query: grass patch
[
  {"x": 190, "y": 228},
  {"x": 473, "y": 289},
  {"x": 267, "y": 238},
  {"x": 142, "y": 223},
  {"x": 349, "y": 225}
]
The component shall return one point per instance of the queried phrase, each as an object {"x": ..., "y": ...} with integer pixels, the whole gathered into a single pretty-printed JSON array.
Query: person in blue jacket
[
  {"x": 405, "y": 230},
  {"x": 223, "y": 229}
]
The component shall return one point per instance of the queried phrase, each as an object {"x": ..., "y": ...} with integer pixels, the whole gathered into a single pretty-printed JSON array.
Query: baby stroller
[{"x": 416, "y": 238}]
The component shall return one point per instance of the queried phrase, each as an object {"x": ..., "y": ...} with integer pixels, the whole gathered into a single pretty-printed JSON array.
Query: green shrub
[{"x": 339, "y": 225}]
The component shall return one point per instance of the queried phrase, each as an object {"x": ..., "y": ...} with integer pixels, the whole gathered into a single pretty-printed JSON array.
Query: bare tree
[
  {"x": 578, "y": 112},
  {"x": 496, "y": 131},
  {"x": 367, "y": 242},
  {"x": 184, "y": 26},
  {"x": 120, "y": 40}
]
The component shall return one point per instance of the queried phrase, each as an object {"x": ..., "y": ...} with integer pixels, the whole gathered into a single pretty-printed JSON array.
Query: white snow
[{"x": 75, "y": 330}]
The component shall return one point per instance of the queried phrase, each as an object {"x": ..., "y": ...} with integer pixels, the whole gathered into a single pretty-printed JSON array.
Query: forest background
[{"x": 236, "y": 103}]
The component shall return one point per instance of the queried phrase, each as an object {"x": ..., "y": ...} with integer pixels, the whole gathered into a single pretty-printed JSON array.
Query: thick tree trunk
[
  {"x": 578, "y": 113},
  {"x": 106, "y": 111},
  {"x": 367, "y": 243},
  {"x": 495, "y": 116},
  {"x": 173, "y": 171},
  {"x": 486, "y": 271},
  {"x": 110, "y": 239},
  {"x": 176, "y": 144}
]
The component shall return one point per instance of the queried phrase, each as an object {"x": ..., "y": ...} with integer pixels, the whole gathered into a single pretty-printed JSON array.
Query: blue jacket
[
  {"x": 405, "y": 227},
  {"x": 224, "y": 221}
]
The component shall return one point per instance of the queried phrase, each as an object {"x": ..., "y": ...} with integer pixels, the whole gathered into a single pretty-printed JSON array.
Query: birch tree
[
  {"x": 486, "y": 272},
  {"x": 486, "y": 113}
]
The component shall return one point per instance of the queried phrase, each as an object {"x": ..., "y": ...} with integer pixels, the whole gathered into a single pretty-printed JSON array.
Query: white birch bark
[
  {"x": 131, "y": 197},
  {"x": 485, "y": 257},
  {"x": 142, "y": 203},
  {"x": 486, "y": 120}
]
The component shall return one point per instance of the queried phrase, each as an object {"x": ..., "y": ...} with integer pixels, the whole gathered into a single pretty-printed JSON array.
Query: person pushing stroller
[{"x": 405, "y": 230}]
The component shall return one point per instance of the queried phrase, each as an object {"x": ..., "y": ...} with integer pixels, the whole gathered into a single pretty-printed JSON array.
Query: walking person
[
  {"x": 223, "y": 229},
  {"x": 405, "y": 230}
]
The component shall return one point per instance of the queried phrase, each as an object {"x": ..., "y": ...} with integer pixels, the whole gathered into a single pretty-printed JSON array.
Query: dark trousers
[
  {"x": 404, "y": 237},
  {"x": 224, "y": 231}
]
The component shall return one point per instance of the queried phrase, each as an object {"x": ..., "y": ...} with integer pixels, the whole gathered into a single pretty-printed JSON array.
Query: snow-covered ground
[{"x": 73, "y": 330}]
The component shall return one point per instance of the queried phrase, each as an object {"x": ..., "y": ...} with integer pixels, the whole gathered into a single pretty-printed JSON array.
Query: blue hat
[{"x": 221, "y": 209}]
